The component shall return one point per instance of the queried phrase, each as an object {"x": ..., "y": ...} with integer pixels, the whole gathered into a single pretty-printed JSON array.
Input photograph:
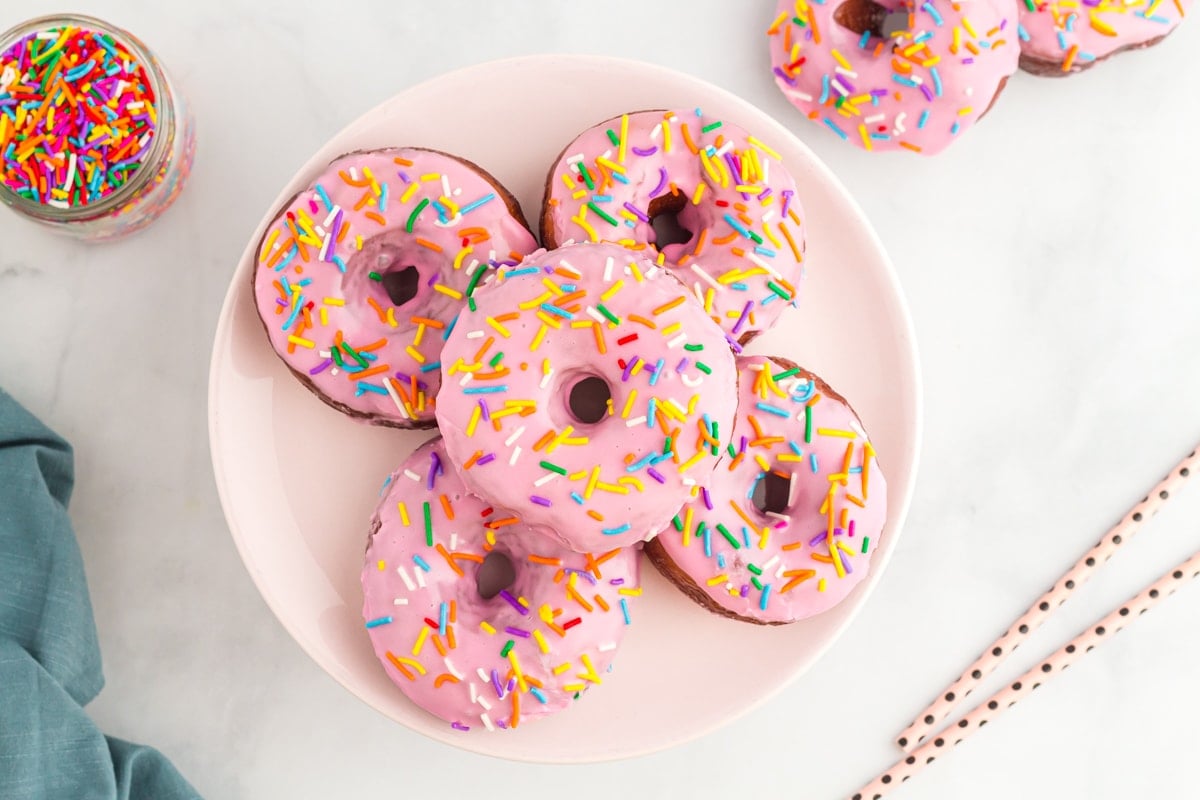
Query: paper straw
[
  {"x": 1041, "y": 610},
  {"x": 1006, "y": 698}
]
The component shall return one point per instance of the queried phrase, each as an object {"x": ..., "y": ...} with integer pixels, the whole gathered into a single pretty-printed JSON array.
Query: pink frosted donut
[
  {"x": 585, "y": 392},
  {"x": 897, "y": 73},
  {"x": 478, "y": 619},
  {"x": 1060, "y": 37},
  {"x": 788, "y": 527},
  {"x": 738, "y": 236},
  {"x": 360, "y": 276}
]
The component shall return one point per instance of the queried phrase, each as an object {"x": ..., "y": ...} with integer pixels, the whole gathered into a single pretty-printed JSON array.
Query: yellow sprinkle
[
  {"x": 836, "y": 432},
  {"x": 541, "y": 641},
  {"x": 302, "y": 342},
  {"x": 696, "y": 195},
  {"x": 488, "y": 629},
  {"x": 538, "y": 337},
  {"x": 420, "y": 359},
  {"x": 503, "y": 331},
  {"x": 573, "y": 687},
  {"x": 629, "y": 404},
  {"x": 334, "y": 301},
  {"x": 516, "y": 665},
  {"x": 457, "y": 295},
  {"x": 266, "y": 249},
  {"x": 687, "y": 527},
  {"x": 713, "y": 581},
  {"x": 624, "y": 137},
  {"x": 416, "y": 651},
  {"x": 458, "y": 259},
  {"x": 838, "y": 57},
  {"x": 403, "y": 509},
  {"x": 821, "y": 585},
  {"x": 631, "y": 592},
  {"x": 764, "y": 148},
  {"x": 610, "y": 291},
  {"x": 691, "y": 462},
  {"x": 474, "y": 421},
  {"x": 672, "y": 328},
  {"x": 561, "y": 668}
]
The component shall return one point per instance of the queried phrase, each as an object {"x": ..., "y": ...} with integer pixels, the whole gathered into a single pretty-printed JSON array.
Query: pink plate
[{"x": 298, "y": 481}]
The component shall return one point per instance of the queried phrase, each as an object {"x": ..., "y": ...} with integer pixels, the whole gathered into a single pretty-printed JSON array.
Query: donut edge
[
  {"x": 1043, "y": 68},
  {"x": 514, "y": 210}
]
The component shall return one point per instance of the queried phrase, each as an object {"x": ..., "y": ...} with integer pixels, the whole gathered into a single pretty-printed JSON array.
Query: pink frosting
[
  {"x": 485, "y": 663},
  {"x": 781, "y": 566},
  {"x": 379, "y": 213},
  {"x": 510, "y": 365},
  {"x": 1077, "y": 32},
  {"x": 744, "y": 258},
  {"x": 919, "y": 88}
]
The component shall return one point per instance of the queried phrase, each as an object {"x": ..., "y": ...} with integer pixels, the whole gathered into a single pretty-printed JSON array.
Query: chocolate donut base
[
  {"x": 514, "y": 209},
  {"x": 1053, "y": 69},
  {"x": 662, "y": 561}
]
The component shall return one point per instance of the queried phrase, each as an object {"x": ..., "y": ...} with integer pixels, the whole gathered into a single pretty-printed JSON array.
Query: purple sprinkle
[
  {"x": 737, "y": 328},
  {"x": 500, "y": 724},
  {"x": 783, "y": 76},
  {"x": 432, "y": 280},
  {"x": 278, "y": 300},
  {"x": 435, "y": 469},
  {"x": 850, "y": 532},
  {"x": 838, "y": 531},
  {"x": 814, "y": 541},
  {"x": 483, "y": 410},
  {"x": 404, "y": 177},
  {"x": 636, "y": 212},
  {"x": 324, "y": 365},
  {"x": 458, "y": 726},
  {"x": 745, "y": 590},
  {"x": 653, "y": 473},
  {"x": 582, "y": 573},
  {"x": 337, "y": 225},
  {"x": 925, "y": 90},
  {"x": 541, "y": 501},
  {"x": 496, "y": 684},
  {"x": 617, "y": 581},
  {"x": 765, "y": 193},
  {"x": 629, "y": 365},
  {"x": 744, "y": 444},
  {"x": 512, "y": 601},
  {"x": 512, "y": 684},
  {"x": 517, "y": 632},
  {"x": 643, "y": 153},
  {"x": 1004, "y": 22},
  {"x": 846, "y": 564},
  {"x": 682, "y": 365},
  {"x": 879, "y": 93},
  {"x": 707, "y": 500},
  {"x": 486, "y": 459},
  {"x": 662, "y": 182},
  {"x": 733, "y": 344},
  {"x": 968, "y": 61}
]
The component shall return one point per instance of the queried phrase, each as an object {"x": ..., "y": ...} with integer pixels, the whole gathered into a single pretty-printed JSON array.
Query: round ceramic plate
[{"x": 298, "y": 480}]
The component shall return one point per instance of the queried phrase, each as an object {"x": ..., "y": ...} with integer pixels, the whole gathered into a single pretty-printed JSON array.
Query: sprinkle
[{"x": 375, "y": 623}]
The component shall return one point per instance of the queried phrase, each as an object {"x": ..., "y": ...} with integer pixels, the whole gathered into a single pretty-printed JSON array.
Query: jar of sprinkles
[{"x": 95, "y": 141}]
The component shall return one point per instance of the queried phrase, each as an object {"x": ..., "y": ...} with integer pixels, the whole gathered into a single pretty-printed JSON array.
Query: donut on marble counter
[
  {"x": 1062, "y": 37},
  {"x": 713, "y": 200},
  {"x": 479, "y": 620},
  {"x": 360, "y": 277},
  {"x": 788, "y": 525},
  {"x": 584, "y": 391},
  {"x": 912, "y": 74}
]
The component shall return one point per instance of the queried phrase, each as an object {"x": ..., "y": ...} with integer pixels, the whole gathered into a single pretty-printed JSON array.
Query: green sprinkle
[
  {"x": 756, "y": 570},
  {"x": 412, "y": 218},
  {"x": 800, "y": 22},
  {"x": 587, "y": 176},
  {"x": 612, "y": 137},
  {"x": 678, "y": 523},
  {"x": 475, "y": 279},
  {"x": 507, "y": 646},
  {"x": 787, "y": 373},
  {"x": 350, "y": 351},
  {"x": 808, "y": 424},
  {"x": 471, "y": 303},
  {"x": 603, "y": 215},
  {"x": 729, "y": 449},
  {"x": 779, "y": 290},
  {"x": 337, "y": 357},
  {"x": 609, "y": 315},
  {"x": 693, "y": 348},
  {"x": 428, "y": 526},
  {"x": 866, "y": 544},
  {"x": 375, "y": 276},
  {"x": 729, "y": 536},
  {"x": 553, "y": 467},
  {"x": 757, "y": 583},
  {"x": 711, "y": 127},
  {"x": 700, "y": 365},
  {"x": 496, "y": 360},
  {"x": 1031, "y": 5},
  {"x": 667, "y": 446}
]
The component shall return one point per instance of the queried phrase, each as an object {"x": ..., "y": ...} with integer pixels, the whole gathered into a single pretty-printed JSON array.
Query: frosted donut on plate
[
  {"x": 359, "y": 277},
  {"x": 788, "y": 526},
  {"x": 1062, "y": 37},
  {"x": 584, "y": 391},
  {"x": 479, "y": 620},
  {"x": 717, "y": 203},
  {"x": 912, "y": 74}
]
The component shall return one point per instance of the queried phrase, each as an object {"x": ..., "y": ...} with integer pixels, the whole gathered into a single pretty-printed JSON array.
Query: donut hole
[
  {"x": 495, "y": 574},
  {"x": 664, "y": 213},
  {"x": 588, "y": 399},
  {"x": 771, "y": 494},
  {"x": 867, "y": 16},
  {"x": 401, "y": 284}
]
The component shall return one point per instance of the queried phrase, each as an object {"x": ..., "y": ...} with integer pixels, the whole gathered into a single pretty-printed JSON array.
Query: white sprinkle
[
  {"x": 474, "y": 691},
  {"x": 420, "y": 573},
  {"x": 754, "y": 257},
  {"x": 453, "y": 542},
  {"x": 771, "y": 563},
  {"x": 677, "y": 341},
  {"x": 404, "y": 577},
  {"x": 596, "y": 315},
  {"x": 635, "y": 422},
  {"x": 725, "y": 148},
  {"x": 391, "y": 390},
  {"x": 657, "y": 132},
  {"x": 846, "y": 72},
  {"x": 516, "y": 453},
  {"x": 604, "y": 648},
  {"x": 899, "y": 127},
  {"x": 475, "y": 335},
  {"x": 450, "y": 668},
  {"x": 709, "y": 278},
  {"x": 515, "y": 435},
  {"x": 483, "y": 702},
  {"x": 573, "y": 161},
  {"x": 487, "y": 722},
  {"x": 483, "y": 676},
  {"x": 608, "y": 265},
  {"x": 465, "y": 379},
  {"x": 412, "y": 476},
  {"x": 542, "y": 481},
  {"x": 400, "y": 601},
  {"x": 691, "y": 382},
  {"x": 545, "y": 381}
]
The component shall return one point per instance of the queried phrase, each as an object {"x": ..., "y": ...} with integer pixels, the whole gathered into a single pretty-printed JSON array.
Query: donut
[
  {"x": 790, "y": 522},
  {"x": 1068, "y": 36},
  {"x": 910, "y": 74},
  {"x": 359, "y": 277},
  {"x": 586, "y": 393},
  {"x": 716, "y": 203},
  {"x": 479, "y": 620}
]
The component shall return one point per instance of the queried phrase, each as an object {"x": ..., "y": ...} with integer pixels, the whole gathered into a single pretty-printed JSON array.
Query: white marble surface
[{"x": 1050, "y": 259}]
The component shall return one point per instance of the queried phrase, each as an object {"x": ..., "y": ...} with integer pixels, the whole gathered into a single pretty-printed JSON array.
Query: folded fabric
[{"x": 49, "y": 653}]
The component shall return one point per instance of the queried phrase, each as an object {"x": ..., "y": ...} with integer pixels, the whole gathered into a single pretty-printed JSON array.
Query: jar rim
[{"x": 162, "y": 109}]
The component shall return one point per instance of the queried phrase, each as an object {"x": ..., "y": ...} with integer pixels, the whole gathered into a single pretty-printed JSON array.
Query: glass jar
[{"x": 139, "y": 187}]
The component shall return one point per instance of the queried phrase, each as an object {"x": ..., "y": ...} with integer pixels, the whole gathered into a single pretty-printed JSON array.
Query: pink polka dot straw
[{"x": 915, "y": 740}]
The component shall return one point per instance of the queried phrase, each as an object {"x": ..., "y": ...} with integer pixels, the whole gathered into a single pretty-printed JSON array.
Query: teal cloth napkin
[{"x": 49, "y": 653}]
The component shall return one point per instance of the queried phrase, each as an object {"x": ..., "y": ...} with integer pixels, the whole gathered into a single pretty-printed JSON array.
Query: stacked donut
[
  {"x": 593, "y": 401},
  {"x": 916, "y": 74}
]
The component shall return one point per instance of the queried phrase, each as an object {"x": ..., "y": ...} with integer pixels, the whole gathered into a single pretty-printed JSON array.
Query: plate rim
[{"x": 897, "y": 514}]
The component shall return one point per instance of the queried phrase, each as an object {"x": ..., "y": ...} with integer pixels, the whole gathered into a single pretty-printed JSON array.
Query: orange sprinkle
[{"x": 434, "y": 246}]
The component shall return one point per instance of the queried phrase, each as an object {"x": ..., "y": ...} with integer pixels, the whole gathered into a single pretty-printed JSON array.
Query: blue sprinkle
[
  {"x": 937, "y": 18},
  {"x": 578, "y": 498},
  {"x": 1062, "y": 41},
  {"x": 420, "y": 562},
  {"x": 625, "y": 610},
  {"x": 556, "y": 310},
  {"x": 295, "y": 313},
  {"x": 924, "y": 118},
  {"x": 866, "y": 37},
  {"x": 824, "y": 89},
  {"x": 644, "y": 461},
  {"x": 796, "y": 448},
  {"x": 905, "y": 81},
  {"x": 443, "y": 613},
  {"x": 746, "y": 536},
  {"x": 658, "y": 368},
  {"x": 651, "y": 409},
  {"x": 833, "y": 127},
  {"x": 766, "y": 594},
  {"x": 512, "y": 273},
  {"x": 937, "y": 81},
  {"x": 538, "y": 693},
  {"x": 883, "y": 137},
  {"x": 812, "y": 459},
  {"x": 485, "y": 389},
  {"x": 720, "y": 561},
  {"x": 474, "y": 204},
  {"x": 431, "y": 367},
  {"x": 324, "y": 197},
  {"x": 737, "y": 226},
  {"x": 615, "y": 531},
  {"x": 707, "y": 542},
  {"x": 770, "y": 409},
  {"x": 336, "y": 259},
  {"x": 375, "y": 623},
  {"x": 364, "y": 387},
  {"x": 954, "y": 129},
  {"x": 620, "y": 178},
  {"x": 764, "y": 251},
  {"x": 602, "y": 198},
  {"x": 1022, "y": 34},
  {"x": 740, "y": 286},
  {"x": 450, "y": 327},
  {"x": 383, "y": 198}
]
